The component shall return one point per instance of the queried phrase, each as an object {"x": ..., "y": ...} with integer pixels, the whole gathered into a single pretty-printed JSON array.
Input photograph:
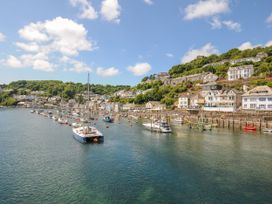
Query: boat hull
[
  {"x": 157, "y": 129},
  {"x": 84, "y": 140}
]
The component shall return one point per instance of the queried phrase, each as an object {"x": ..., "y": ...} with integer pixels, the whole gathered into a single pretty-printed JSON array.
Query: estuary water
[{"x": 40, "y": 162}]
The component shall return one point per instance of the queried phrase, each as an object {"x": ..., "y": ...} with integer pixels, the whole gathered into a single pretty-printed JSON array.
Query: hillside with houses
[{"x": 231, "y": 82}]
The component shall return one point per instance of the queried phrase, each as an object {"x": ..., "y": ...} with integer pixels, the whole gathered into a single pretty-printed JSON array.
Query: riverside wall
[{"x": 237, "y": 120}]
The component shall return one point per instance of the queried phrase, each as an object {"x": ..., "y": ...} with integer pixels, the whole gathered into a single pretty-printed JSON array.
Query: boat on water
[
  {"x": 268, "y": 130},
  {"x": 76, "y": 125},
  {"x": 54, "y": 118},
  {"x": 32, "y": 111},
  {"x": 83, "y": 120},
  {"x": 249, "y": 128},
  {"x": 158, "y": 126},
  {"x": 88, "y": 134},
  {"x": 62, "y": 121},
  {"x": 108, "y": 119}
]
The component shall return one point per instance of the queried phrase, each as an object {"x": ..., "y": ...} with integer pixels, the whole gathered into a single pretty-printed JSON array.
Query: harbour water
[{"x": 40, "y": 162}]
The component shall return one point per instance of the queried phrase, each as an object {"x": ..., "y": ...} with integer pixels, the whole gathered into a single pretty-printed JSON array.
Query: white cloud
[
  {"x": 29, "y": 47},
  {"x": 13, "y": 62},
  {"x": 268, "y": 44},
  {"x": 107, "y": 72},
  {"x": 248, "y": 45},
  {"x": 149, "y": 2},
  {"x": 140, "y": 69},
  {"x": 37, "y": 62},
  {"x": 231, "y": 25},
  {"x": 205, "y": 8},
  {"x": 2, "y": 37},
  {"x": 59, "y": 36},
  {"x": 170, "y": 55},
  {"x": 87, "y": 10},
  {"x": 216, "y": 23},
  {"x": 75, "y": 65},
  {"x": 269, "y": 19},
  {"x": 111, "y": 10},
  {"x": 206, "y": 50}
]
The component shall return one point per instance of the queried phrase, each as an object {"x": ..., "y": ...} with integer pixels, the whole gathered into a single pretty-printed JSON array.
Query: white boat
[
  {"x": 54, "y": 118},
  {"x": 87, "y": 134},
  {"x": 62, "y": 121},
  {"x": 158, "y": 126},
  {"x": 32, "y": 111},
  {"x": 268, "y": 130},
  {"x": 83, "y": 120},
  {"x": 76, "y": 125}
]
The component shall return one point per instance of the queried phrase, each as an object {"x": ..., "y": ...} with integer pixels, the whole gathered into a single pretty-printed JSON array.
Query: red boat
[{"x": 249, "y": 128}]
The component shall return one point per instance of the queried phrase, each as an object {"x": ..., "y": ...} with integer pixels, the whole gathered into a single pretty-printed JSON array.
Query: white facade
[
  {"x": 241, "y": 72},
  {"x": 259, "y": 98},
  {"x": 183, "y": 102},
  {"x": 225, "y": 101}
]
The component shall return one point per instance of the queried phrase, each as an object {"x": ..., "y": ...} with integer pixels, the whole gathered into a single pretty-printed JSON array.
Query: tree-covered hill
[
  {"x": 200, "y": 64},
  {"x": 54, "y": 88}
]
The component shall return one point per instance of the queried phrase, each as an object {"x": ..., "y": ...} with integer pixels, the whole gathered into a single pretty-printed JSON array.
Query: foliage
[
  {"x": 7, "y": 100},
  {"x": 67, "y": 90},
  {"x": 197, "y": 65}
]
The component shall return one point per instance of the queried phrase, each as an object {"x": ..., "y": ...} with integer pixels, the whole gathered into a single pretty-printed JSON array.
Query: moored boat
[
  {"x": 108, "y": 119},
  {"x": 158, "y": 126},
  {"x": 268, "y": 130},
  {"x": 62, "y": 121},
  {"x": 249, "y": 128},
  {"x": 88, "y": 134}
]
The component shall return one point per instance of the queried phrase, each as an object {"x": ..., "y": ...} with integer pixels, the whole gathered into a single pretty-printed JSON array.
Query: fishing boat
[
  {"x": 32, "y": 111},
  {"x": 268, "y": 130},
  {"x": 158, "y": 126},
  {"x": 87, "y": 134},
  {"x": 249, "y": 128},
  {"x": 108, "y": 119}
]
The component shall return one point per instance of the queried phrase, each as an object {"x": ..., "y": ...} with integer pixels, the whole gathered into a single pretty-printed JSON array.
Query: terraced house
[
  {"x": 240, "y": 72},
  {"x": 259, "y": 98}
]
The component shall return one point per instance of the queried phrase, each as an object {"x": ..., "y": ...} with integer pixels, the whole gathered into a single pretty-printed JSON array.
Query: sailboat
[{"x": 87, "y": 133}]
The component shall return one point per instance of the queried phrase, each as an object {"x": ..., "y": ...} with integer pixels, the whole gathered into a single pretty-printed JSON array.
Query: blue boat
[{"x": 108, "y": 119}]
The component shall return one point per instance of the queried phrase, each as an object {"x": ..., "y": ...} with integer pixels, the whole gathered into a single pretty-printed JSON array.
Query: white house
[
  {"x": 184, "y": 100},
  {"x": 240, "y": 72},
  {"x": 259, "y": 98},
  {"x": 222, "y": 100}
]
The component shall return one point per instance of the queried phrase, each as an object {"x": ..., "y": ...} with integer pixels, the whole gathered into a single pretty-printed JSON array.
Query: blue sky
[{"x": 121, "y": 41}]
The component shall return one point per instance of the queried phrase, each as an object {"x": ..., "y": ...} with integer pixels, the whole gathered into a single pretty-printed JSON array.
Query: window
[
  {"x": 262, "y": 106},
  {"x": 253, "y": 99},
  {"x": 252, "y": 106},
  {"x": 269, "y": 106},
  {"x": 245, "y": 105},
  {"x": 269, "y": 99},
  {"x": 262, "y": 99},
  {"x": 245, "y": 99}
]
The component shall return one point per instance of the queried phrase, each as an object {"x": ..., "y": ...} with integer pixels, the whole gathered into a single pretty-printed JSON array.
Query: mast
[{"x": 88, "y": 86}]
